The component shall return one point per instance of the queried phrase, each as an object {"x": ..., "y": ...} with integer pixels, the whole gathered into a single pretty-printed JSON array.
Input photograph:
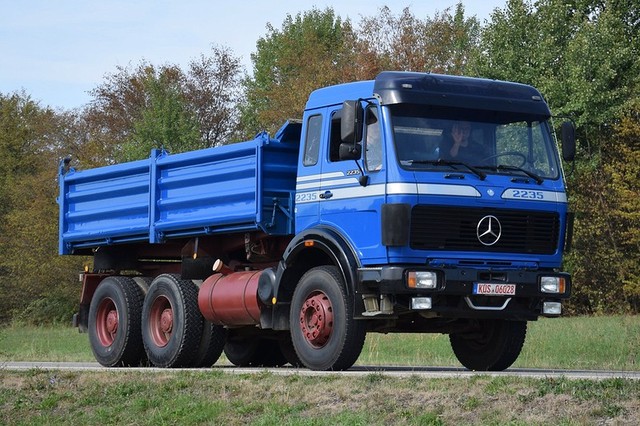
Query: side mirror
[
  {"x": 350, "y": 151},
  {"x": 351, "y": 122},
  {"x": 568, "y": 141}
]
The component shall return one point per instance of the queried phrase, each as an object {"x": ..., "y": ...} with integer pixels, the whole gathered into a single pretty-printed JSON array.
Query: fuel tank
[{"x": 231, "y": 299}]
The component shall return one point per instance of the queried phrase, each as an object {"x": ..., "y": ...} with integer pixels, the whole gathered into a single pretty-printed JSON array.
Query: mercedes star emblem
[{"x": 489, "y": 230}]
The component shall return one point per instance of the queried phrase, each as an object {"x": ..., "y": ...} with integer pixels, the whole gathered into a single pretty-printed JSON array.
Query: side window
[
  {"x": 373, "y": 156},
  {"x": 312, "y": 142}
]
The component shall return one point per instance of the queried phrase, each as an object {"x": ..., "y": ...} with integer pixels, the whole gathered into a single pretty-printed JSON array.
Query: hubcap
[
  {"x": 107, "y": 322},
  {"x": 161, "y": 321},
  {"x": 316, "y": 319}
]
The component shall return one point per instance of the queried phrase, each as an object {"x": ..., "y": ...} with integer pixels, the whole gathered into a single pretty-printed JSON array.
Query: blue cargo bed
[{"x": 248, "y": 186}]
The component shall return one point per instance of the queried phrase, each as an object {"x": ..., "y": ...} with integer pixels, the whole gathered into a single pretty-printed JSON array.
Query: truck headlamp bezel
[
  {"x": 425, "y": 280},
  {"x": 553, "y": 284}
]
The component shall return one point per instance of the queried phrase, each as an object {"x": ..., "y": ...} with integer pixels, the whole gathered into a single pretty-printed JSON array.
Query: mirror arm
[{"x": 363, "y": 180}]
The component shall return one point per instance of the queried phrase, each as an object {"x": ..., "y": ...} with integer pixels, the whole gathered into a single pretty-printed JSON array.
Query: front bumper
[{"x": 454, "y": 295}]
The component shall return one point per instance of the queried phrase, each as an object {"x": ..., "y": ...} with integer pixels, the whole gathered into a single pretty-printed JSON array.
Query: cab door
[
  {"x": 309, "y": 171},
  {"x": 352, "y": 191}
]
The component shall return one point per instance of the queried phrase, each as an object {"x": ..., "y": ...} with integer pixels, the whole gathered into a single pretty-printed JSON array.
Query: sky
[{"x": 58, "y": 50}]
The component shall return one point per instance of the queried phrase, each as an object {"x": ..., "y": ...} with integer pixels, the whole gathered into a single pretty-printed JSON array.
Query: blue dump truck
[{"x": 412, "y": 203}]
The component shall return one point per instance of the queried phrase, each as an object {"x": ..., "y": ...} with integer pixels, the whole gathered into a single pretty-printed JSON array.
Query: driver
[{"x": 458, "y": 146}]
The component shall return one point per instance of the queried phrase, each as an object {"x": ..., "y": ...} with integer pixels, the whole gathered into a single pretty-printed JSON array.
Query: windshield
[{"x": 425, "y": 140}]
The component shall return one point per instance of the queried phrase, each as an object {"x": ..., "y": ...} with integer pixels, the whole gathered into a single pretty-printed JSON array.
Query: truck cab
[{"x": 466, "y": 243}]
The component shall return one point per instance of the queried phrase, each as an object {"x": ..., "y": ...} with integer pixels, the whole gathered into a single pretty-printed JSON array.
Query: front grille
[{"x": 455, "y": 228}]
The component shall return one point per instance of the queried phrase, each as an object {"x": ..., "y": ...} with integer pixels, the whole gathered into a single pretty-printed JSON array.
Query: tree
[
  {"x": 442, "y": 44},
  {"x": 213, "y": 91},
  {"x": 624, "y": 194},
  {"x": 311, "y": 50},
  {"x": 165, "y": 120},
  {"x": 143, "y": 107},
  {"x": 584, "y": 57},
  {"x": 317, "y": 48},
  {"x": 30, "y": 269},
  {"x": 581, "y": 54}
]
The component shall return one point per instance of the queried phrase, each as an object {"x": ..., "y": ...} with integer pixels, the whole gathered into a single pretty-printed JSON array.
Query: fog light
[
  {"x": 420, "y": 303},
  {"x": 422, "y": 279},
  {"x": 552, "y": 308},
  {"x": 555, "y": 285}
]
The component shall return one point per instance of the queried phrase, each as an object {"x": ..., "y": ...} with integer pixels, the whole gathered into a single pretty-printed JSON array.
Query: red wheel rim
[
  {"x": 161, "y": 321},
  {"x": 316, "y": 319},
  {"x": 107, "y": 322}
]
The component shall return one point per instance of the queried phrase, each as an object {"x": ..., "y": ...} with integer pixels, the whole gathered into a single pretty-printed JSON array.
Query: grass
[
  {"x": 215, "y": 397},
  {"x": 592, "y": 343},
  {"x": 218, "y": 397},
  {"x": 26, "y": 343}
]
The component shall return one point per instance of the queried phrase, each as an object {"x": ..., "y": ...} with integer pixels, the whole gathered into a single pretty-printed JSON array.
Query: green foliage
[
  {"x": 165, "y": 121},
  {"x": 139, "y": 108},
  {"x": 584, "y": 56},
  {"x": 50, "y": 308},
  {"x": 444, "y": 43},
  {"x": 29, "y": 266},
  {"x": 311, "y": 50},
  {"x": 317, "y": 48}
]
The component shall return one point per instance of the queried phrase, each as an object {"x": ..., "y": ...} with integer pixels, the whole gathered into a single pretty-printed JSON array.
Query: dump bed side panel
[{"x": 241, "y": 187}]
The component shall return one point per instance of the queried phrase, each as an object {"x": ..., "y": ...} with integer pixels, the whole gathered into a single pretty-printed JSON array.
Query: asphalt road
[{"x": 357, "y": 370}]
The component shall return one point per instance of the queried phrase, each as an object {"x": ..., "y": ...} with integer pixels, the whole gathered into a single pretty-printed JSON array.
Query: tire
[
  {"x": 288, "y": 351},
  {"x": 254, "y": 352},
  {"x": 323, "y": 331},
  {"x": 171, "y": 322},
  {"x": 114, "y": 323},
  {"x": 494, "y": 346},
  {"x": 211, "y": 345}
]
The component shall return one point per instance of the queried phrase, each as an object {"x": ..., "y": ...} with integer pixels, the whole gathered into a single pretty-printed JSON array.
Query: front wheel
[
  {"x": 323, "y": 331},
  {"x": 492, "y": 345}
]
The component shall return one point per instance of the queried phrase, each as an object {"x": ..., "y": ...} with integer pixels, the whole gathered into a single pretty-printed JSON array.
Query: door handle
[{"x": 326, "y": 195}]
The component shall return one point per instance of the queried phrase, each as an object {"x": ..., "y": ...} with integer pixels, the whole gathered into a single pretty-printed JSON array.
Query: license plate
[{"x": 494, "y": 289}]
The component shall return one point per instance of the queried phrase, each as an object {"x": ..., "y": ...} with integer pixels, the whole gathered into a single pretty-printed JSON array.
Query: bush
[{"x": 47, "y": 310}]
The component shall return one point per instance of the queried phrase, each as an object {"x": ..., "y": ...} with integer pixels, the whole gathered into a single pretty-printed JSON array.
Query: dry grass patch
[{"x": 215, "y": 397}]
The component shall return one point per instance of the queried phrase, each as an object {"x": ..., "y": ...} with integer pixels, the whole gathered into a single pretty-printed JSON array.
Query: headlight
[
  {"x": 422, "y": 279},
  {"x": 556, "y": 285},
  {"x": 421, "y": 303},
  {"x": 552, "y": 308}
]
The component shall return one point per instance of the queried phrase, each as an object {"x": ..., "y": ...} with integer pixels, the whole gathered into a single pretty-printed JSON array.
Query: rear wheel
[
  {"x": 245, "y": 351},
  {"x": 114, "y": 323},
  {"x": 323, "y": 331},
  {"x": 171, "y": 322},
  {"x": 211, "y": 345},
  {"x": 493, "y": 345}
]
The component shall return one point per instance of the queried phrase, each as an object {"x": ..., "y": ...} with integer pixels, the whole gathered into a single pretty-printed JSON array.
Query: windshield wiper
[
  {"x": 532, "y": 175},
  {"x": 482, "y": 175}
]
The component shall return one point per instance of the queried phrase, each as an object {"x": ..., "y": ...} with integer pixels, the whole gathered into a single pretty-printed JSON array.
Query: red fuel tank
[{"x": 231, "y": 299}]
